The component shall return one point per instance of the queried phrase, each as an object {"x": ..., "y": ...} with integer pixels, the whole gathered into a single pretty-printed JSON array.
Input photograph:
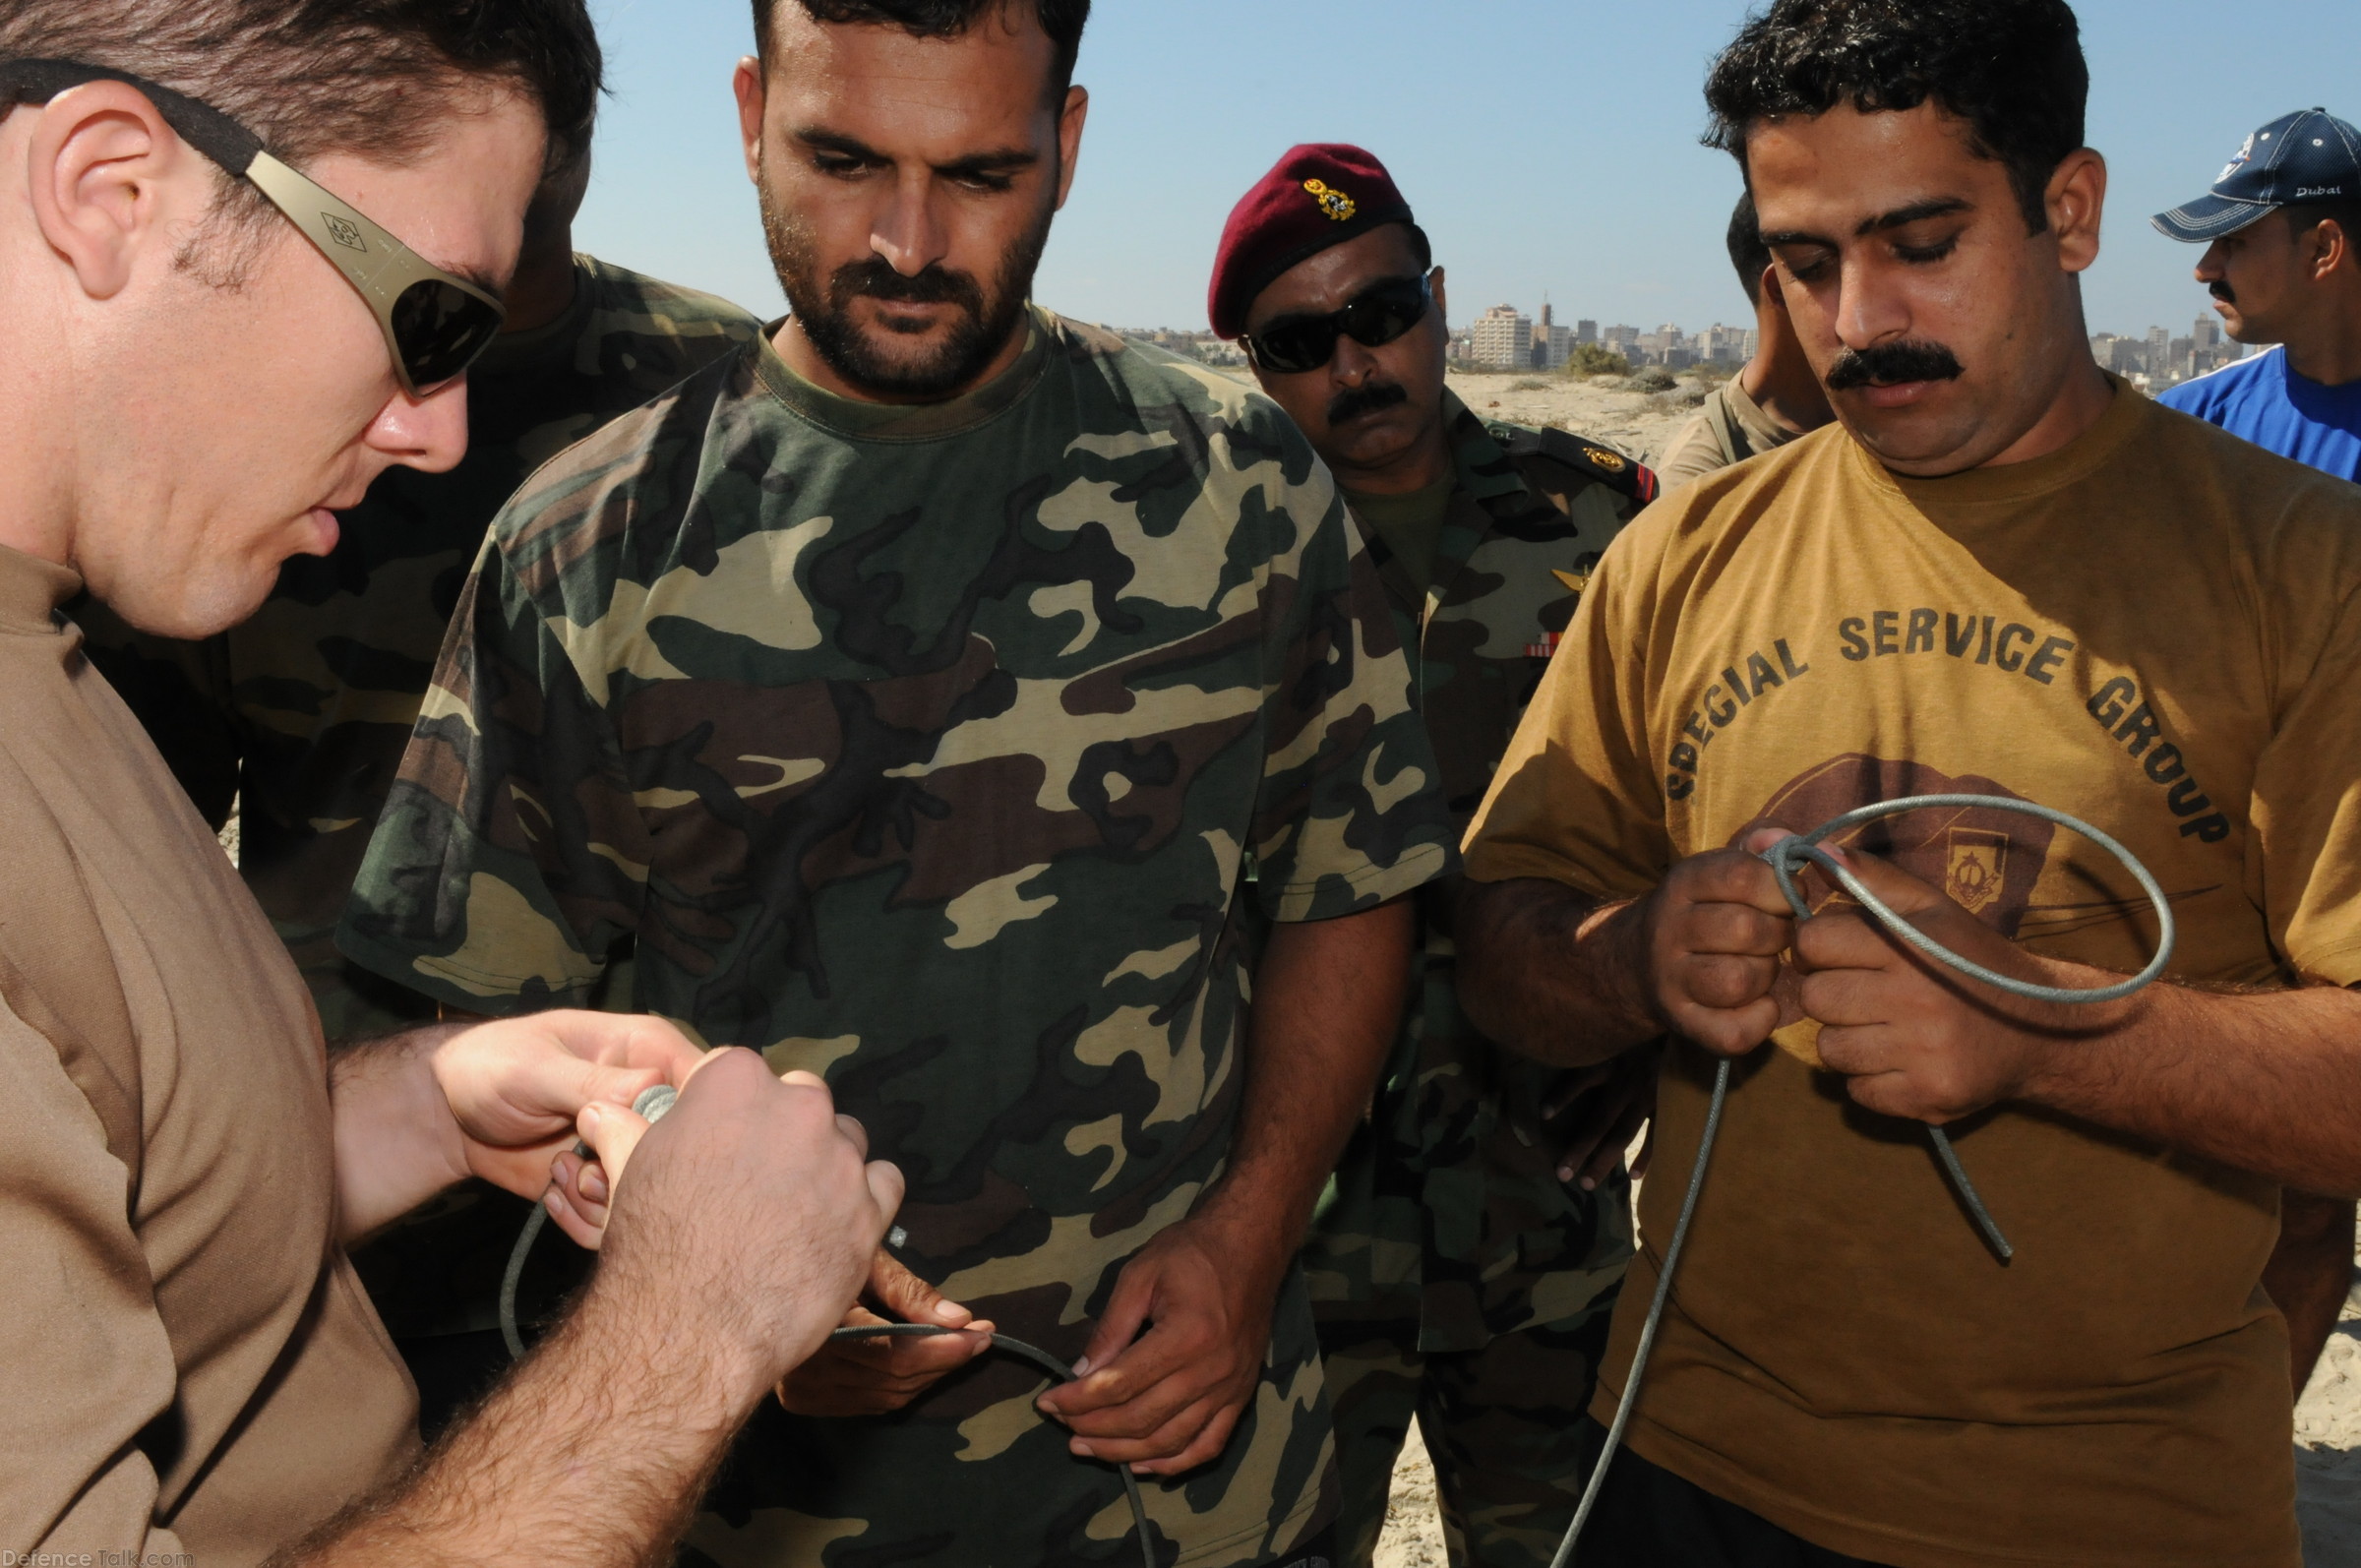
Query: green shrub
[{"x": 1595, "y": 359}]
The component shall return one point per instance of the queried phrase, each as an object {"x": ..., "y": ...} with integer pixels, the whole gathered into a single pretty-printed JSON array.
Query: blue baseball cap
[{"x": 2307, "y": 157}]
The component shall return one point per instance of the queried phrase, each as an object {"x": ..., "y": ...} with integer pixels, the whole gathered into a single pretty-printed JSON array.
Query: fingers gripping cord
[
  {"x": 1786, "y": 858},
  {"x": 652, "y": 1104}
]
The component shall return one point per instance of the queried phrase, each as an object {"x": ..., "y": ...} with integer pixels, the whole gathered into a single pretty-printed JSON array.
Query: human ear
[
  {"x": 747, "y": 83},
  {"x": 2077, "y": 200},
  {"x": 110, "y": 181},
  {"x": 2331, "y": 248},
  {"x": 1442, "y": 301},
  {"x": 1070, "y": 139}
]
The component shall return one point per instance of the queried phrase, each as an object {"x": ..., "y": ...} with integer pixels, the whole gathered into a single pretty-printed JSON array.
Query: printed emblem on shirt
[{"x": 1974, "y": 868}]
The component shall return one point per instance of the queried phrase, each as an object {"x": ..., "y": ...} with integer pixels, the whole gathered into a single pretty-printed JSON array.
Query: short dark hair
[
  {"x": 2304, "y": 216},
  {"x": 2012, "y": 68},
  {"x": 1747, "y": 252},
  {"x": 1062, "y": 20},
  {"x": 310, "y": 77}
]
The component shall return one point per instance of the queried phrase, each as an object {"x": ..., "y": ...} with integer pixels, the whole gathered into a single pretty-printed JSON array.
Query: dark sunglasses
[
  {"x": 1378, "y": 315},
  {"x": 435, "y": 323}
]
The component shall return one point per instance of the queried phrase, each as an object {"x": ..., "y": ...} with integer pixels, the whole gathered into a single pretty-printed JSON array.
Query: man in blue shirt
[{"x": 2280, "y": 227}]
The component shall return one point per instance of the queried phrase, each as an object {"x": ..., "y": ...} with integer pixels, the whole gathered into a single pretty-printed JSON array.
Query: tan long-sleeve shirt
[{"x": 187, "y": 1362}]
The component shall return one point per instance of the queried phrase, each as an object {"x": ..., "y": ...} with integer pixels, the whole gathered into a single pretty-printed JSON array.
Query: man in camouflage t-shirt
[
  {"x": 299, "y": 716},
  {"x": 925, "y": 693},
  {"x": 1464, "y": 1268}
]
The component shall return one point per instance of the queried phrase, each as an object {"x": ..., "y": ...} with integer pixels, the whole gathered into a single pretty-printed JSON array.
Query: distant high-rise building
[
  {"x": 1503, "y": 337},
  {"x": 1723, "y": 345},
  {"x": 2207, "y": 333},
  {"x": 1586, "y": 331},
  {"x": 2159, "y": 353}
]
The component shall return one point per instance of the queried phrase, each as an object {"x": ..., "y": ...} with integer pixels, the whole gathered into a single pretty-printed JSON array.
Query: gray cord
[
  {"x": 652, "y": 1104},
  {"x": 1783, "y": 858},
  {"x": 1656, "y": 1316}
]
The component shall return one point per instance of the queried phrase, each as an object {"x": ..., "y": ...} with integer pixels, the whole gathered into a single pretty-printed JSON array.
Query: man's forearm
[
  {"x": 1552, "y": 973},
  {"x": 395, "y": 1140},
  {"x": 1328, "y": 998},
  {"x": 593, "y": 1454},
  {"x": 2268, "y": 1083}
]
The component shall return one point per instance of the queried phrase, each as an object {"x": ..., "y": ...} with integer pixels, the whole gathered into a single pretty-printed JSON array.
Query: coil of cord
[{"x": 1787, "y": 859}]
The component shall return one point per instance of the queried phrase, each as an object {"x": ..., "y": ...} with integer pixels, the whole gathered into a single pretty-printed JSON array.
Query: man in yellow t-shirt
[{"x": 2009, "y": 575}]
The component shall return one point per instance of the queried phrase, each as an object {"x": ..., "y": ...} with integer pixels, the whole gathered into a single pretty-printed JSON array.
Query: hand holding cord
[
  {"x": 651, "y": 1105},
  {"x": 1785, "y": 859}
]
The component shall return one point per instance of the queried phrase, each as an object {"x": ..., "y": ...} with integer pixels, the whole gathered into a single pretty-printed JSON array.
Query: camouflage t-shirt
[
  {"x": 301, "y": 714},
  {"x": 1450, "y": 1195},
  {"x": 927, "y": 749}
]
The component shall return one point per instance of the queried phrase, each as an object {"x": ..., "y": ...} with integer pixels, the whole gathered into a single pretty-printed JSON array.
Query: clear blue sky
[{"x": 1549, "y": 146}]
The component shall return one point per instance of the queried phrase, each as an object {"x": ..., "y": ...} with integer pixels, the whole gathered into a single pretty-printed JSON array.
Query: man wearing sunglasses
[
  {"x": 211, "y": 338},
  {"x": 1464, "y": 1271},
  {"x": 298, "y": 717}
]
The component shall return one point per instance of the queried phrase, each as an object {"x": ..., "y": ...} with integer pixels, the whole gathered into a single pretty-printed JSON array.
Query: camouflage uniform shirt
[
  {"x": 302, "y": 713},
  {"x": 926, "y": 749},
  {"x": 1452, "y": 1190}
]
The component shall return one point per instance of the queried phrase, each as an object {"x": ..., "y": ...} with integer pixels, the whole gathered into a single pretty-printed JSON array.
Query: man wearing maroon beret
[{"x": 1463, "y": 1270}]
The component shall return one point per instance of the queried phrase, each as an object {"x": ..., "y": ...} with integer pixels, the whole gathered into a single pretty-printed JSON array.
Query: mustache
[
  {"x": 1373, "y": 397},
  {"x": 1891, "y": 363},
  {"x": 874, "y": 278},
  {"x": 2221, "y": 289}
]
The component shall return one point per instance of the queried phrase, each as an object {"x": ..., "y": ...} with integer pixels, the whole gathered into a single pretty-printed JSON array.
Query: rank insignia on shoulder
[
  {"x": 1575, "y": 582},
  {"x": 1602, "y": 463},
  {"x": 1335, "y": 204}
]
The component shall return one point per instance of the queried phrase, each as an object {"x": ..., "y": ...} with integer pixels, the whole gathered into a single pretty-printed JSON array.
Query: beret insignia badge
[{"x": 1335, "y": 204}]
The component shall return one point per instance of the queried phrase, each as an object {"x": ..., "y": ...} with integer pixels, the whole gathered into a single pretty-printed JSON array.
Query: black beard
[
  {"x": 1368, "y": 400},
  {"x": 824, "y": 312},
  {"x": 1893, "y": 363}
]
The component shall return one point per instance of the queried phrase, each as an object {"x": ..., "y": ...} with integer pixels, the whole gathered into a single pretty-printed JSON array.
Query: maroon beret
[{"x": 1321, "y": 194}]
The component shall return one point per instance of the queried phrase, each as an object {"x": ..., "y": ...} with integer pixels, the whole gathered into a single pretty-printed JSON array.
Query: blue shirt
[{"x": 2278, "y": 410}]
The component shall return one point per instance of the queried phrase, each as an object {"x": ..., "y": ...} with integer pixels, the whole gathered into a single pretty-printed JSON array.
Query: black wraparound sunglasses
[
  {"x": 435, "y": 323},
  {"x": 1378, "y": 315}
]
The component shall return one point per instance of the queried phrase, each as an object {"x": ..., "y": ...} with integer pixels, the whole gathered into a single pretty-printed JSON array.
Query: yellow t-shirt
[{"x": 2155, "y": 629}]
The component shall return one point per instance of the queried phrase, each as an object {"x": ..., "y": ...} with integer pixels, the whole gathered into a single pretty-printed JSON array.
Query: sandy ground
[
  {"x": 2328, "y": 1468},
  {"x": 1623, "y": 413}
]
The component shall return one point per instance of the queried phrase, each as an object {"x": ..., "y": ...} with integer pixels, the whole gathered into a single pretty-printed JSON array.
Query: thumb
[
  {"x": 612, "y": 1132},
  {"x": 1126, "y": 1313},
  {"x": 1895, "y": 888},
  {"x": 904, "y": 1295},
  {"x": 885, "y": 1186}
]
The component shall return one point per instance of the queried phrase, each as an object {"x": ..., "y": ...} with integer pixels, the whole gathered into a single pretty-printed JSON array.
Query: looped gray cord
[
  {"x": 1783, "y": 858},
  {"x": 652, "y": 1104}
]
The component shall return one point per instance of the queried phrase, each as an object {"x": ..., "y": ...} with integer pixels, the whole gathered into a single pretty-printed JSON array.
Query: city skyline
[{"x": 1581, "y": 180}]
